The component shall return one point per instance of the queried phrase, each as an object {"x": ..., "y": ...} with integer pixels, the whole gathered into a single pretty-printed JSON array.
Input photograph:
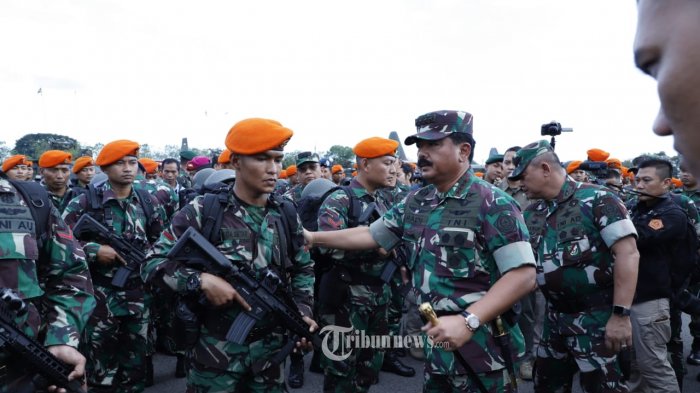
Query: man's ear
[{"x": 236, "y": 161}]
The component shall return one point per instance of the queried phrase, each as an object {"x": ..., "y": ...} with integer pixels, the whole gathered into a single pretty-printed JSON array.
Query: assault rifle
[
  {"x": 51, "y": 370},
  {"x": 88, "y": 228},
  {"x": 265, "y": 298}
]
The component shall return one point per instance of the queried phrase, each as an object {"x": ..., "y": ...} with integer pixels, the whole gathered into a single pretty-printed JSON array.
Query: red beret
[
  {"x": 116, "y": 150},
  {"x": 573, "y": 166},
  {"x": 51, "y": 158},
  {"x": 336, "y": 168},
  {"x": 82, "y": 162},
  {"x": 13, "y": 161},
  {"x": 291, "y": 170},
  {"x": 253, "y": 136},
  {"x": 376, "y": 147},
  {"x": 224, "y": 157},
  {"x": 150, "y": 165},
  {"x": 597, "y": 155}
]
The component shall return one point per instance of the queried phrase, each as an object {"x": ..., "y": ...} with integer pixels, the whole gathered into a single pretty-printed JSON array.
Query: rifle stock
[
  {"x": 87, "y": 228},
  {"x": 197, "y": 252}
]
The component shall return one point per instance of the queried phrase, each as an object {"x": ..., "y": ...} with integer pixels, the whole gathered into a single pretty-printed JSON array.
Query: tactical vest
[{"x": 458, "y": 233}]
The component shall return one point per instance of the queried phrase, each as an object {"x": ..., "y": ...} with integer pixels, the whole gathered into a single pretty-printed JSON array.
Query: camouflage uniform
[
  {"x": 248, "y": 238},
  {"x": 61, "y": 202},
  {"x": 572, "y": 236},
  {"x": 166, "y": 195},
  {"x": 460, "y": 242},
  {"x": 117, "y": 332},
  {"x": 294, "y": 193},
  {"x": 52, "y": 277},
  {"x": 365, "y": 305}
]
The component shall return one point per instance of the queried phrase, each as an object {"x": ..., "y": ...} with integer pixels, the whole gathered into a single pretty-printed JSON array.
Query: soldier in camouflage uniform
[
  {"x": 248, "y": 238},
  {"x": 15, "y": 167},
  {"x": 51, "y": 276},
  {"x": 469, "y": 251},
  {"x": 117, "y": 331},
  {"x": 84, "y": 171},
  {"x": 54, "y": 166},
  {"x": 587, "y": 270},
  {"x": 307, "y": 170},
  {"x": 362, "y": 303}
]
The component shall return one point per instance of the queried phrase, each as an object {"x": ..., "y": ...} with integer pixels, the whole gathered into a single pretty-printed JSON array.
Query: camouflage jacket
[
  {"x": 248, "y": 238},
  {"x": 688, "y": 201},
  {"x": 517, "y": 193},
  {"x": 126, "y": 218},
  {"x": 61, "y": 202},
  {"x": 54, "y": 278},
  {"x": 572, "y": 236},
  {"x": 166, "y": 195},
  {"x": 294, "y": 193},
  {"x": 332, "y": 216},
  {"x": 460, "y": 242}
]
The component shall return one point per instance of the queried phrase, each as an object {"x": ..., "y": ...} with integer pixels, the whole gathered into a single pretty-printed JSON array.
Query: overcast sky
[{"x": 334, "y": 72}]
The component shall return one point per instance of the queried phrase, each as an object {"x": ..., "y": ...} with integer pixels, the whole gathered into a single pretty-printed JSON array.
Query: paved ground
[{"x": 165, "y": 381}]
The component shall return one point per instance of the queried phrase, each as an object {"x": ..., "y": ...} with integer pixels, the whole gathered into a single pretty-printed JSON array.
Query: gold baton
[{"x": 428, "y": 313}]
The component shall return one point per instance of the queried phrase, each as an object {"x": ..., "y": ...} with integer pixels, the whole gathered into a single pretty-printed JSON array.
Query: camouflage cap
[
  {"x": 494, "y": 159},
  {"x": 439, "y": 124},
  {"x": 306, "y": 156},
  {"x": 525, "y": 156}
]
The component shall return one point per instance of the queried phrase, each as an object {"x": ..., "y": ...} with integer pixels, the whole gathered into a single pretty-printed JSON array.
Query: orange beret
[
  {"x": 614, "y": 163},
  {"x": 82, "y": 162},
  {"x": 479, "y": 174},
  {"x": 354, "y": 173},
  {"x": 29, "y": 163},
  {"x": 51, "y": 158},
  {"x": 224, "y": 157},
  {"x": 376, "y": 147},
  {"x": 573, "y": 165},
  {"x": 677, "y": 182},
  {"x": 150, "y": 165},
  {"x": 283, "y": 174},
  {"x": 291, "y": 170},
  {"x": 13, "y": 161},
  {"x": 336, "y": 168},
  {"x": 354, "y": 166},
  {"x": 253, "y": 136},
  {"x": 116, "y": 150},
  {"x": 597, "y": 155}
]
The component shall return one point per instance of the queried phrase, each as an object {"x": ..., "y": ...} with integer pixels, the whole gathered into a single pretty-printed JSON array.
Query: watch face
[{"x": 473, "y": 321}]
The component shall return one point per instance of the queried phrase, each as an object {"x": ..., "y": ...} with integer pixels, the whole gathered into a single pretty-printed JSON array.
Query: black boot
[
  {"x": 393, "y": 365},
  {"x": 694, "y": 357},
  {"x": 296, "y": 371},
  {"x": 315, "y": 366},
  {"x": 180, "y": 371},
  {"x": 149, "y": 371}
]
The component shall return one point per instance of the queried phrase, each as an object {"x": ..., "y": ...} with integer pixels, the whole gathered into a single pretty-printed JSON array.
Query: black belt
[{"x": 579, "y": 303}]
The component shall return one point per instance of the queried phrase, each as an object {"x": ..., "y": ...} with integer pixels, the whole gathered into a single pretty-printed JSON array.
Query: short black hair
[
  {"x": 170, "y": 161},
  {"x": 463, "y": 137},
  {"x": 514, "y": 149},
  {"x": 664, "y": 168}
]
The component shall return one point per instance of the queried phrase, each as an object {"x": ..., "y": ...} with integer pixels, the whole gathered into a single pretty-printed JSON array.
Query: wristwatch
[
  {"x": 471, "y": 320},
  {"x": 621, "y": 311},
  {"x": 194, "y": 283}
]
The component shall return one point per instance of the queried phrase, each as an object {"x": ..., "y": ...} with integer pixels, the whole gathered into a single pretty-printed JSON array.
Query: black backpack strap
[
  {"x": 37, "y": 198},
  {"x": 212, "y": 215},
  {"x": 290, "y": 221},
  {"x": 354, "y": 208},
  {"x": 146, "y": 204},
  {"x": 93, "y": 205}
]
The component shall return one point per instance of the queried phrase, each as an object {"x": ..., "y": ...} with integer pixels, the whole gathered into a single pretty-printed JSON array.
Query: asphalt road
[{"x": 165, "y": 381}]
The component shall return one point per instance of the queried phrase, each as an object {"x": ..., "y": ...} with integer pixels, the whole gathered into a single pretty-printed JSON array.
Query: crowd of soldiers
[{"x": 534, "y": 269}]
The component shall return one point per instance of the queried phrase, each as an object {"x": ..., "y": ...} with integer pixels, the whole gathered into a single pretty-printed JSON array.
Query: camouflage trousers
[
  {"x": 219, "y": 366},
  {"x": 361, "y": 368},
  {"x": 494, "y": 382},
  {"x": 115, "y": 345},
  {"x": 560, "y": 357},
  {"x": 395, "y": 308}
]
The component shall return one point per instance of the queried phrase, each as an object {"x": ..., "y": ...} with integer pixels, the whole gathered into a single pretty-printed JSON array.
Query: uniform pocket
[
  {"x": 574, "y": 251},
  {"x": 456, "y": 254}
]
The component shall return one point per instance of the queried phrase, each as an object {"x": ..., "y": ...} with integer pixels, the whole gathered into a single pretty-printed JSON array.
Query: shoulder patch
[{"x": 506, "y": 223}]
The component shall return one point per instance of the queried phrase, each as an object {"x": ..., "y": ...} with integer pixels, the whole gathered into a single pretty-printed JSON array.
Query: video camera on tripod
[{"x": 553, "y": 129}]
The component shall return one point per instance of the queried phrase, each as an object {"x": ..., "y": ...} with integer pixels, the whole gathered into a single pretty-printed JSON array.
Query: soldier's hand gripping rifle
[
  {"x": 32, "y": 354},
  {"x": 87, "y": 228},
  {"x": 266, "y": 299}
]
